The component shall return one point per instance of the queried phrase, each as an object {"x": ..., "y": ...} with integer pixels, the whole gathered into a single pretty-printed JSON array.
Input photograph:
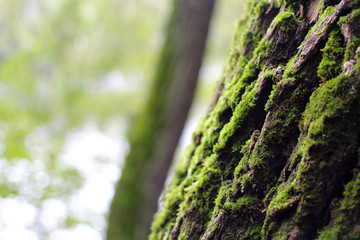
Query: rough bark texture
[
  {"x": 157, "y": 130},
  {"x": 277, "y": 156}
]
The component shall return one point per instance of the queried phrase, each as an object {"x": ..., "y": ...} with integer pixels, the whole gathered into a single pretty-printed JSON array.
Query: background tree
[
  {"x": 277, "y": 156},
  {"x": 157, "y": 130}
]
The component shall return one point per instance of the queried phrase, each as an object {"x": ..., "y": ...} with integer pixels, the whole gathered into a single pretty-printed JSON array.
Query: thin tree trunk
[
  {"x": 277, "y": 156},
  {"x": 156, "y": 133}
]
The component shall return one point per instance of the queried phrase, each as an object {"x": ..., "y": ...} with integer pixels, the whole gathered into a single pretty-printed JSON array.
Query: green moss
[
  {"x": 345, "y": 219},
  {"x": 290, "y": 69},
  {"x": 326, "y": 101},
  {"x": 271, "y": 104},
  {"x": 279, "y": 235},
  {"x": 270, "y": 74},
  {"x": 298, "y": 155},
  {"x": 319, "y": 27},
  {"x": 351, "y": 18},
  {"x": 285, "y": 21},
  {"x": 253, "y": 232},
  {"x": 329, "y": 66},
  {"x": 332, "y": 100},
  {"x": 244, "y": 203},
  {"x": 247, "y": 36},
  {"x": 279, "y": 3},
  {"x": 245, "y": 88},
  {"x": 261, "y": 7},
  {"x": 284, "y": 199},
  {"x": 239, "y": 114}
]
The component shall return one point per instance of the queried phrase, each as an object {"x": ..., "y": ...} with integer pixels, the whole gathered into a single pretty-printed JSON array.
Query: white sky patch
[
  {"x": 16, "y": 216},
  {"x": 18, "y": 234},
  {"x": 81, "y": 231},
  {"x": 210, "y": 72},
  {"x": 98, "y": 156},
  {"x": 92, "y": 151},
  {"x": 89, "y": 196},
  {"x": 117, "y": 81},
  {"x": 19, "y": 171},
  {"x": 16, "y": 213},
  {"x": 53, "y": 212},
  {"x": 187, "y": 133}
]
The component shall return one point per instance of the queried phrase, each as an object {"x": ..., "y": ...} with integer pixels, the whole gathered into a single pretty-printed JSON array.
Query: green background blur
[{"x": 73, "y": 75}]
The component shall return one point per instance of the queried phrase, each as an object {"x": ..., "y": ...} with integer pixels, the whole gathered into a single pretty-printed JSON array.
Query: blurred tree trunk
[
  {"x": 156, "y": 132},
  {"x": 277, "y": 156}
]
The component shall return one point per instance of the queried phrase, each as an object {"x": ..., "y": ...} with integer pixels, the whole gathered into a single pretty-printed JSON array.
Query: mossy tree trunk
[
  {"x": 156, "y": 132},
  {"x": 277, "y": 156}
]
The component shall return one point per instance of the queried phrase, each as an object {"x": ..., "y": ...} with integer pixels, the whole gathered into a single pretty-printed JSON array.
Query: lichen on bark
[{"x": 277, "y": 156}]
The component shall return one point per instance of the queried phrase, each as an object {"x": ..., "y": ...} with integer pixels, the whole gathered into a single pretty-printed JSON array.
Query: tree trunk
[
  {"x": 155, "y": 134},
  {"x": 277, "y": 156}
]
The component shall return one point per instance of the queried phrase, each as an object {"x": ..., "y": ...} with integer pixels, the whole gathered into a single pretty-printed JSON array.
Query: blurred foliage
[
  {"x": 64, "y": 63},
  {"x": 56, "y": 57}
]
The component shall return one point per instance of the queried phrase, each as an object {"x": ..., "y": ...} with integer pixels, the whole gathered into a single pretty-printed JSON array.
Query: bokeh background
[{"x": 73, "y": 75}]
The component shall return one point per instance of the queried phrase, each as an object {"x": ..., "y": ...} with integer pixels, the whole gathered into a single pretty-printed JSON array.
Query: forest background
[{"x": 73, "y": 76}]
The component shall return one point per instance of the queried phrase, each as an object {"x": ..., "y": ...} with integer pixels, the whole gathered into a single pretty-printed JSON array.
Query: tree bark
[
  {"x": 155, "y": 134},
  {"x": 277, "y": 156}
]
